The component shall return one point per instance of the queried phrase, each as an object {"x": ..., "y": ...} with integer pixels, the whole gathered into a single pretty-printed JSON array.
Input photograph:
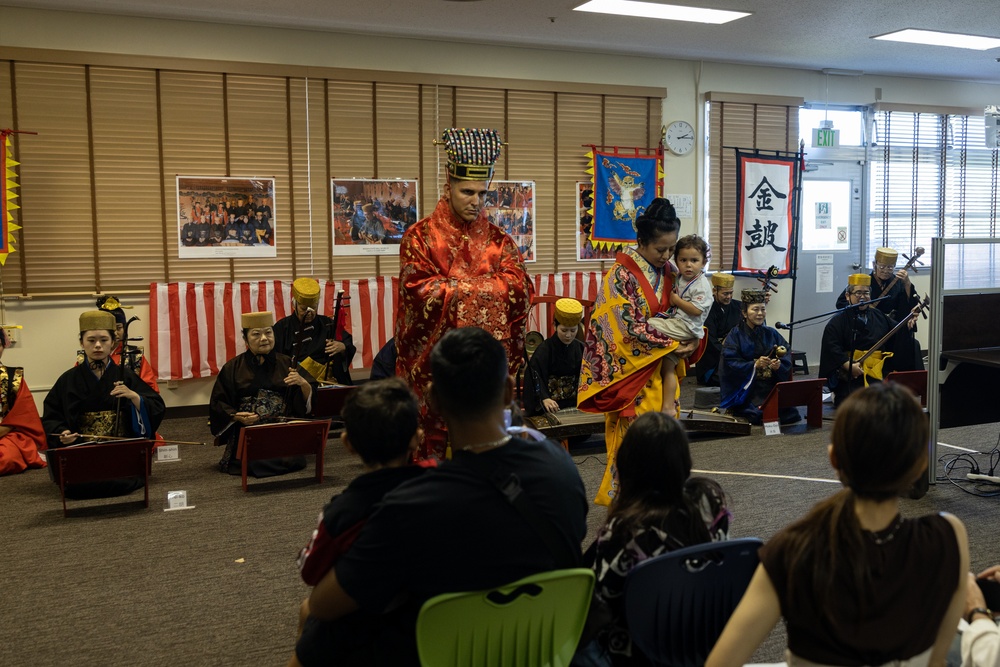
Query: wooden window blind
[
  {"x": 743, "y": 122},
  {"x": 112, "y": 139}
]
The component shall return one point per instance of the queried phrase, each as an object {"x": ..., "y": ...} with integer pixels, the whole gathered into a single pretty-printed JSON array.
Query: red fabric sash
[{"x": 619, "y": 395}]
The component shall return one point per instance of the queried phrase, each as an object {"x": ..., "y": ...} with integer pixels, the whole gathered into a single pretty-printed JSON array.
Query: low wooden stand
[
  {"x": 271, "y": 441},
  {"x": 102, "y": 462},
  {"x": 793, "y": 394}
]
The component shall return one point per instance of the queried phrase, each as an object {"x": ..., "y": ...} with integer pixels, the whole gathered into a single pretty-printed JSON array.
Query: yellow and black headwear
[
  {"x": 569, "y": 312},
  {"x": 886, "y": 256},
  {"x": 723, "y": 280},
  {"x": 258, "y": 320},
  {"x": 472, "y": 152},
  {"x": 859, "y": 280},
  {"x": 113, "y": 306},
  {"x": 752, "y": 296},
  {"x": 97, "y": 319},
  {"x": 305, "y": 291}
]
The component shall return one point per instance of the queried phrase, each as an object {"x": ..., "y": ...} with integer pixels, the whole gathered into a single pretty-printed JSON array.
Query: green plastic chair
[{"x": 533, "y": 622}]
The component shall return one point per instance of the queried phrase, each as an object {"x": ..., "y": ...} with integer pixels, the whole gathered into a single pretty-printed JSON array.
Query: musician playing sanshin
[
  {"x": 554, "y": 368},
  {"x": 100, "y": 397},
  {"x": 847, "y": 336},
  {"x": 136, "y": 358},
  {"x": 902, "y": 297},
  {"x": 313, "y": 340},
  {"x": 259, "y": 386},
  {"x": 754, "y": 359},
  {"x": 723, "y": 316},
  {"x": 21, "y": 432},
  {"x": 458, "y": 270},
  {"x": 623, "y": 353}
]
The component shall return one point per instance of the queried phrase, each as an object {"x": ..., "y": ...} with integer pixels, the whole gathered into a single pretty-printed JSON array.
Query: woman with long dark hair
[
  {"x": 659, "y": 508},
  {"x": 856, "y": 583}
]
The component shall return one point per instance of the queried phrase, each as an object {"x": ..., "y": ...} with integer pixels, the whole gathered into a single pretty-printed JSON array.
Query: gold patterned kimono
[{"x": 623, "y": 353}]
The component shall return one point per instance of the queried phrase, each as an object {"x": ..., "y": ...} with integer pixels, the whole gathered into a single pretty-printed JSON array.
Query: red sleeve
[{"x": 323, "y": 550}]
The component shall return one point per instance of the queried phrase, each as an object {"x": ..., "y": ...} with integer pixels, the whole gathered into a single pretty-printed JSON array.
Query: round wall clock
[{"x": 679, "y": 137}]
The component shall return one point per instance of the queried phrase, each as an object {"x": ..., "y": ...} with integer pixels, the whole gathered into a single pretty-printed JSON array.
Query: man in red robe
[
  {"x": 458, "y": 270},
  {"x": 21, "y": 434}
]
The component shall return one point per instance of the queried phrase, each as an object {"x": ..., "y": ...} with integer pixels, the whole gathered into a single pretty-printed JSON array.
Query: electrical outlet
[{"x": 13, "y": 334}]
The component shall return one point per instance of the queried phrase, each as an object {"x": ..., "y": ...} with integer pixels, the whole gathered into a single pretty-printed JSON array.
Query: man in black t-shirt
[{"x": 451, "y": 529}]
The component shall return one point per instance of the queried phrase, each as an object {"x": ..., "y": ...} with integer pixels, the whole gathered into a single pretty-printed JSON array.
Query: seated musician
[
  {"x": 21, "y": 432},
  {"x": 847, "y": 336},
  {"x": 553, "y": 374},
  {"x": 754, "y": 359},
  {"x": 313, "y": 340},
  {"x": 136, "y": 359},
  {"x": 900, "y": 297},
  {"x": 724, "y": 315},
  {"x": 260, "y": 386},
  {"x": 100, "y": 398}
]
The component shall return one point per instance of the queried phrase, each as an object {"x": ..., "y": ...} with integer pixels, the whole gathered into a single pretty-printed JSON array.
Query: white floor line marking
[
  {"x": 761, "y": 474},
  {"x": 964, "y": 449}
]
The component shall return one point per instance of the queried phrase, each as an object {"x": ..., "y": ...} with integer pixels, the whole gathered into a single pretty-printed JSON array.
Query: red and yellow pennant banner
[{"x": 8, "y": 183}]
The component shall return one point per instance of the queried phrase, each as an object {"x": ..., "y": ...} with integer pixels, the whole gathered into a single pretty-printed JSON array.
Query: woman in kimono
[{"x": 623, "y": 354}]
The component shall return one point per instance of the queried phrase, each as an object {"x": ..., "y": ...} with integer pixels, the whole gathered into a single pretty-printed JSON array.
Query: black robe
[
  {"x": 904, "y": 346},
  {"x": 244, "y": 385},
  {"x": 314, "y": 356},
  {"x": 73, "y": 403},
  {"x": 720, "y": 321},
  {"x": 553, "y": 372},
  {"x": 839, "y": 340}
]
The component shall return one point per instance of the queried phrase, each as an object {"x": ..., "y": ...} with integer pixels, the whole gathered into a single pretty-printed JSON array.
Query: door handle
[{"x": 856, "y": 266}]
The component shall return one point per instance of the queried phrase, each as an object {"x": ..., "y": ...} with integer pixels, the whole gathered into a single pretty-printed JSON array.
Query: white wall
[{"x": 48, "y": 341}]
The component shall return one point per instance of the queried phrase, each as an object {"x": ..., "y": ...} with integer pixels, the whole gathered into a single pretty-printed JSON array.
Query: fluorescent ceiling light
[
  {"x": 655, "y": 10},
  {"x": 934, "y": 38}
]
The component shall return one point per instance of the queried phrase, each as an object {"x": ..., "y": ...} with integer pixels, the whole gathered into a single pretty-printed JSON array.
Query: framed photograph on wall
[
  {"x": 225, "y": 217},
  {"x": 510, "y": 205},
  {"x": 585, "y": 250},
  {"x": 370, "y": 215}
]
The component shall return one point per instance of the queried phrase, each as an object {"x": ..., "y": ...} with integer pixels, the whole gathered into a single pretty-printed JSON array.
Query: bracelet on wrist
[{"x": 979, "y": 610}]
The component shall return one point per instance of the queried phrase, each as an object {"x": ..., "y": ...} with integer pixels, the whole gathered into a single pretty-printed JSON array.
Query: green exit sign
[{"x": 826, "y": 138}]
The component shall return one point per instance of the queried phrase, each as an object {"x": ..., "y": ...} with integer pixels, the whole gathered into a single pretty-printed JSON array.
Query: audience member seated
[
  {"x": 384, "y": 365},
  {"x": 856, "y": 583},
  {"x": 659, "y": 508},
  {"x": 21, "y": 432},
  {"x": 100, "y": 398},
  {"x": 979, "y": 644},
  {"x": 313, "y": 340},
  {"x": 260, "y": 386},
  {"x": 723, "y": 316},
  {"x": 380, "y": 426},
  {"x": 753, "y": 362},
  {"x": 452, "y": 529},
  {"x": 553, "y": 374}
]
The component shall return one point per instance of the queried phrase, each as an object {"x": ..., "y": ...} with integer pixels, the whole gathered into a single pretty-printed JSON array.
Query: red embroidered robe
[{"x": 456, "y": 274}]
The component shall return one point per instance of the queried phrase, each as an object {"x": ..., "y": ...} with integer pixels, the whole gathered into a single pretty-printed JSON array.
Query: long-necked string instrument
[
  {"x": 94, "y": 436},
  {"x": 121, "y": 408},
  {"x": 917, "y": 310},
  {"x": 917, "y": 252},
  {"x": 766, "y": 279},
  {"x": 338, "y": 312}
]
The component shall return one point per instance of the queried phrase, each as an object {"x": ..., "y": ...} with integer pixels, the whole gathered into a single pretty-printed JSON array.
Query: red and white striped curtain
[{"x": 195, "y": 327}]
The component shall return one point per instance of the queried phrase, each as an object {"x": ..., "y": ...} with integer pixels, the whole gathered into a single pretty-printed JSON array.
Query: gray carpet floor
[{"x": 117, "y": 584}]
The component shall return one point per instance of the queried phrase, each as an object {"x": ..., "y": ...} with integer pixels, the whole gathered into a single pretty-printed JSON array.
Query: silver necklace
[
  {"x": 490, "y": 445},
  {"x": 887, "y": 535}
]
